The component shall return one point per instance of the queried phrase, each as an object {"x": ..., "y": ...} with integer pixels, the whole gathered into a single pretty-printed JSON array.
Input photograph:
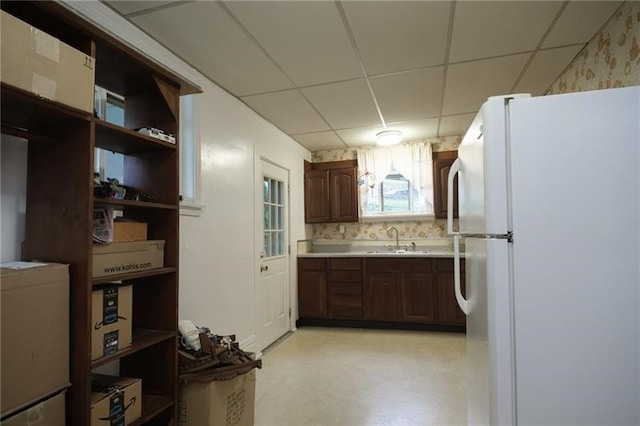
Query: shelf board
[
  {"x": 133, "y": 275},
  {"x": 133, "y": 204},
  {"x": 27, "y": 113},
  {"x": 126, "y": 141},
  {"x": 142, "y": 339},
  {"x": 152, "y": 405}
]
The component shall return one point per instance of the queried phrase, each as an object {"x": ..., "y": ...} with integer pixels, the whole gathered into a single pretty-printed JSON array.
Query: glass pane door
[{"x": 274, "y": 220}]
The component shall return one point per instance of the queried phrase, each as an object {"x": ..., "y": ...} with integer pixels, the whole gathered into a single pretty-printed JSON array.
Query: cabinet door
[
  {"x": 344, "y": 195},
  {"x": 312, "y": 294},
  {"x": 442, "y": 162},
  {"x": 449, "y": 312},
  {"x": 316, "y": 196},
  {"x": 381, "y": 296},
  {"x": 417, "y": 297}
]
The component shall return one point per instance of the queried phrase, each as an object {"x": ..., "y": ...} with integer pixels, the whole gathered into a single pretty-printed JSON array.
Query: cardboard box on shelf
[
  {"x": 113, "y": 398},
  {"x": 125, "y": 230},
  {"x": 127, "y": 257},
  {"x": 34, "y": 332},
  {"x": 34, "y": 61},
  {"x": 111, "y": 313},
  {"x": 227, "y": 402},
  {"x": 48, "y": 412}
]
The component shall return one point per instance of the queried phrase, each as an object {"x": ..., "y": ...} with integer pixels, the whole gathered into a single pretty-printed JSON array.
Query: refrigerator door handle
[
  {"x": 464, "y": 304},
  {"x": 453, "y": 170}
]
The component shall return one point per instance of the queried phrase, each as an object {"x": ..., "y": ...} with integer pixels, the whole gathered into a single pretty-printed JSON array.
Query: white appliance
[{"x": 549, "y": 205}]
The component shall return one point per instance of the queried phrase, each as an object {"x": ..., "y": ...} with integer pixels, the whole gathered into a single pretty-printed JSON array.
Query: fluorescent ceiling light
[{"x": 389, "y": 137}]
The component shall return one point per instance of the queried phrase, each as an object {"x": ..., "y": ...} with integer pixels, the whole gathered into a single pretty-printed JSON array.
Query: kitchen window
[{"x": 396, "y": 181}]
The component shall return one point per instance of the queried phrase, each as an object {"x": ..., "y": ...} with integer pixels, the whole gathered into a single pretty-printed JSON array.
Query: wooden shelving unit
[{"x": 60, "y": 202}]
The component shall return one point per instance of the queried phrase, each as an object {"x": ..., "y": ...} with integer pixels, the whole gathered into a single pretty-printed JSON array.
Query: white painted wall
[
  {"x": 218, "y": 258},
  {"x": 217, "y": 253}
]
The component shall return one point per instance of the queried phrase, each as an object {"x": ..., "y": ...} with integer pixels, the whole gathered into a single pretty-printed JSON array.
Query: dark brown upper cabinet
[{"x": 331, "y": 192}]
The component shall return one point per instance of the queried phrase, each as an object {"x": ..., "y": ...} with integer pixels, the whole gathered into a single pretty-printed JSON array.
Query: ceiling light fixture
[{"x": 389, "y": 137}]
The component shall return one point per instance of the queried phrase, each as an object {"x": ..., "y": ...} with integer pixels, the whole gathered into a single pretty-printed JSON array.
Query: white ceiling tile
[
  {"x": 399, "y": 35},
  {"x": 213, "y": 43},
  {"x": 579, "y": 22},
  {"x": 288, "y": 110},
  {"x": 360, "y": 136},
  {"x": 455, "y": 125},
  {"x": 319, "y": 141},
  {"x": 469, "y": 84},
  {"x": 545, "y": 68},
  {"x": 492, "y": 28},
  {"x": 307, "y": 38},
  {"x": 135, "y": 6},
  {"x": 409, "y": 95},
  {"x": 411, "y": 131},
  {"x": 416, "y": 129},
  {"x": 345, "y": 104}
]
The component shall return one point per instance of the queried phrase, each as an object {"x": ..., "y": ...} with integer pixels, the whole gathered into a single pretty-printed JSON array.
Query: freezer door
[
  {"x": 489, "y": 332},
  {"x": 482, "y": 190}
]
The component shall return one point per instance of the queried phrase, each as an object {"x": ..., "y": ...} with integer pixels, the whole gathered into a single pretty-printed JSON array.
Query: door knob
[{"x": 264, "y": 268}]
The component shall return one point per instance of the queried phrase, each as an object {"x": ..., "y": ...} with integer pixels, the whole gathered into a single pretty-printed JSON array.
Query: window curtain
[{"x": 413, "y": 161}]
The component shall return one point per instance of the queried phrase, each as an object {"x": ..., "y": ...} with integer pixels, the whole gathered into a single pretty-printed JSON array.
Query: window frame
[{"x": 190, "y": 201}]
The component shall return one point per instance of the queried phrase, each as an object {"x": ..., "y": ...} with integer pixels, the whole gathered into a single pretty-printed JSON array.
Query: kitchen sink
[{"x": 398, "y": 252}]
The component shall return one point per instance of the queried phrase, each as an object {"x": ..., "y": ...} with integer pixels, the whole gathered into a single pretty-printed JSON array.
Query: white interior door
[{"x": 272, "y": 244}]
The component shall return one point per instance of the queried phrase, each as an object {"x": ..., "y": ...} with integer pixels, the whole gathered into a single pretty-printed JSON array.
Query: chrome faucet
[{"x": 393, "y": 228}]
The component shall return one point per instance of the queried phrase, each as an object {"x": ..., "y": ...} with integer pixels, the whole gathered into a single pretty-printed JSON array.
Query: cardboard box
[
  {"x": 34, "y": 335},
  {"x": 129, "y": 231},
  {"x": 111, "y": 316},
  {"x": 115, "y": 400},
  {"x": 127, "y": 257},
  {"x": 229, "y": 402},
  {"x": 50, "y": 412},
  {"x": 34, "y": 61}
]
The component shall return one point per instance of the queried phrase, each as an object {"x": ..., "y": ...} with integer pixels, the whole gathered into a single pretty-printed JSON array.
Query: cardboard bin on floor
[
  {"x": 50, "y": 412},
  {"x": 34, "y": 336},
  {"x": 218, "y": 402}
]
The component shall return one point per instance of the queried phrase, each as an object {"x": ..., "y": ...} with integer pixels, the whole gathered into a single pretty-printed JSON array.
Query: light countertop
[{"x": 424, "y": 249}]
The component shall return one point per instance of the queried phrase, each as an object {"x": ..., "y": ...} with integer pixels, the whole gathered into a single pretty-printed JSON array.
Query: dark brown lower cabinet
[
  {"x": 417, "y": 298},
  {"x": 375, "y": 290},
  {"x": 448, "y": 310},
  {"x": 312, "y": 288},
  {"x": 399, "y": 290},
  {"x": 345, "y": 288},
  {"x": 381, "y": 296}
]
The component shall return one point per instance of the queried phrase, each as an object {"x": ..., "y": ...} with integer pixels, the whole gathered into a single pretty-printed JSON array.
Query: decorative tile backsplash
[
  {"x": 434, "y": 229},
  {"x": 611, "y": 60}
]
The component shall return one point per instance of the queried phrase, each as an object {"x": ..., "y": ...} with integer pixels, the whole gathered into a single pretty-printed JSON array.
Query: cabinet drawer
[
  {"x": 347, "y": 307},
  {"x": 389, "y": 264},
  {"x": 345, "y": 288},
  {"x": 345, "y": 263},
  {"x": 312, "y": 264},
  {"x": 352, "y": 276}
]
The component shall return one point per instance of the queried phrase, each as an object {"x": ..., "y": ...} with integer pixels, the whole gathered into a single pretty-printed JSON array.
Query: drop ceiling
[{"x": 333, "y": 74}]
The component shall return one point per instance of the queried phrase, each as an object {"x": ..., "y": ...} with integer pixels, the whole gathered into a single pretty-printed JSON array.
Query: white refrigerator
[{"x": 549, "y": 205}]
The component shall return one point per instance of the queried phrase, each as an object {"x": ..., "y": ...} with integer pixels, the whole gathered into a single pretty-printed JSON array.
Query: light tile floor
[{"x": 351, "y": 377}]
